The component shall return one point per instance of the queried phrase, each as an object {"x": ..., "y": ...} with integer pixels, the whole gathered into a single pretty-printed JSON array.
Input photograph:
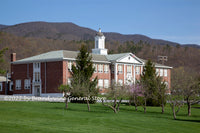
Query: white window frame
[
  {"x": 69, "y": 65},
  {"x": 161, "y": 72},
  {"x": 129, "y": 67},
  {"x": 18, "y": 84},
  {"x": 137, "y": 70},
  {"x": 106, "y": 83},
  {"x": 120, "y": 68},
  {"x": 165, "y": 72},
  {"x": 106, "y": 68},
  {"x": 36, "y": 76},
  {"x": 1, "y": 86},
  {"x": 100, "y": 83},
  {"x": 27, "y": 84},
  {"x": 100, "y": 68}
]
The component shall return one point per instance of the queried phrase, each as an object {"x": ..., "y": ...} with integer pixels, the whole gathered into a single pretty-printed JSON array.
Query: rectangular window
[
  {"x": 36, "y": 65},
  {"x": 165, "y": 72},
  {"x": 161, "y": 72},
  {"x": 18, "y": 84},
  {"x": 106, "y": 83},
  {"x": 137, "y": 70},
  {"x": 27, "y": 84},
  {"x": 95, "y": 68},
  {"x": 1, "y": 87},
  {"x": 106, "y": 68},
  {"x": 37, "y": 76},
  {"x": 69, "y": 66},
  {"x": 100, "y": 83},
  {"x": 119, "y": 68},
  {"x": 100, "y": 68},
  {"x": 129, "y": 69},
  {"x": 120, "y": 82}
]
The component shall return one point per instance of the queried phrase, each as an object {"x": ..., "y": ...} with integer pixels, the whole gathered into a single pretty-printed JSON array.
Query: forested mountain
[
  {"x": 2, "y": 26},
  {"x": 70, "y": 31},
  {"x": 29, "y": 39}
]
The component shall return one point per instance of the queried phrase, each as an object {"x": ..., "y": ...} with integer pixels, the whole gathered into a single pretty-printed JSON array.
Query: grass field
[{"x": 28, "y": 117}]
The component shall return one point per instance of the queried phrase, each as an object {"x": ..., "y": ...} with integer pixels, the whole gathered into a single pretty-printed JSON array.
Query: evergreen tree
[
  {"x": 82, "y": 85},
  {"x": 148, "y": 79}
]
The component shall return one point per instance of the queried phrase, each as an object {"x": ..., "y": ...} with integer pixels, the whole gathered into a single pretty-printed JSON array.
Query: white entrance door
[{"x": 37, "y": 91}]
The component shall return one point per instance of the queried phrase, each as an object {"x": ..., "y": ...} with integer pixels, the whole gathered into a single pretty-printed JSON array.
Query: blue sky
[{"x": 173, "y": 20}]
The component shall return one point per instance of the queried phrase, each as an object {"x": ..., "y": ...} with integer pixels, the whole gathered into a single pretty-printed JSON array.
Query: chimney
[{"x": 13, "y": 57}]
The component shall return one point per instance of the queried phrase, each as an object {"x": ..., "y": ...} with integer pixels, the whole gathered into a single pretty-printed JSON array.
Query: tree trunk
[
  {"x": 115, "y": 103},
  {"x": 114, "y": 109},
  {"x": 66, "y": 102},
  {"x": 174, "y": 112},
  {"x": 119, "y": 104},
  {"x": 189, "y": 107},
  {"x": 135, "y": 103},
  {"x": 130, "y": 102},
  {"x": 88, "y": 105},
  {"x": 145, "y": 104},
  {"x": 135, "y": 107},
  {"x": 163, "y": 106}
]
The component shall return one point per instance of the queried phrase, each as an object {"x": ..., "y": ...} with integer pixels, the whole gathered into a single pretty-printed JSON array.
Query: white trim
[
  {"x": 22, "y": 95},
  {"x": 42, "y": 95},
  {"x": 35, "y": 61},
  {"x": 163, "y": 67},
  {"x": 132, "y": 55},
  {"x": 115, "y": 72},
  {"x": 124, "y": 73},
  {"x": 1, "y": 86},
  {"x": 51, "y": 95},
  {"x": 134, "y": 74}
]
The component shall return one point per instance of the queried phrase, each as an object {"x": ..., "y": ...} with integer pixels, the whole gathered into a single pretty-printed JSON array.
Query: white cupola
[{"x": 99, "y": 47}]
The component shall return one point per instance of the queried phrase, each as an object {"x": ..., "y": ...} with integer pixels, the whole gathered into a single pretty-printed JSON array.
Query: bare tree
[
  {"x": 185, "y": 85},
  {"x": 116, "y": 93}
]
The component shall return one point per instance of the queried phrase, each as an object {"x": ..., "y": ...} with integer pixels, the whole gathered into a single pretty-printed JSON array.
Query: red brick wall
[
  {"x": 54, "y": 76},
  {"x": 57, "y": 73},
  {"x": 19, "y": 72}
]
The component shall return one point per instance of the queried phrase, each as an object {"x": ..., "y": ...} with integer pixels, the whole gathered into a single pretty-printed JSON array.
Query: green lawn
[{"x": 27, "y": 117}]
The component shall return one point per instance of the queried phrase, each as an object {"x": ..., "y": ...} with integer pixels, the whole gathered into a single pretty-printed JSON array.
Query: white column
[
  {"x": 115, "y": 72},
  {"x": 124, "y": 73},
  {"x": 134, "y": 74}
]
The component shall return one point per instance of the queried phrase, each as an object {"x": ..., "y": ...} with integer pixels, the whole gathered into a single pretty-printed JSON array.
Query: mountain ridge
[{"x": 70, "y": 31}]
